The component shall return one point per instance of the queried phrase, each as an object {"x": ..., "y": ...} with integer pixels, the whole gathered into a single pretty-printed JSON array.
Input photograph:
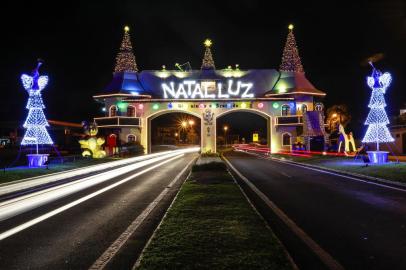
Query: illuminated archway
[
  {"x": 260, "y": 113},
  {"x": 158, "y": 114}
]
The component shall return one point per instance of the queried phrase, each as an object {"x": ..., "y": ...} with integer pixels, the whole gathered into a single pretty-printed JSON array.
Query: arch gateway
[{"x": 289, "y": 102}]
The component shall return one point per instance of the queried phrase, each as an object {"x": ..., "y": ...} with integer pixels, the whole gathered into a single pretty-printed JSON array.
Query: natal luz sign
[{"x": 190, "y": 89}]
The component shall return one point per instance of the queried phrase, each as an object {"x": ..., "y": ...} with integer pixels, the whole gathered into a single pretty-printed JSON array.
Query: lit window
[
  {"x": 319, "y": 107},
  {"x": 131, "y": 138},
  {"x": 131, "y": 111},
  {"x": 286, "y": 139},
  {"x": 285, "y": 110},
  {"x": 113, "y": 111}
]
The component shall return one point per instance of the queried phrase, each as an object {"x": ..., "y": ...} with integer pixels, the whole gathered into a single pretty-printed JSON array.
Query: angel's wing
[
  {"x": 385, "y": 80},
  {"x": 27, "y": 81},
  {"x": 42, "y": 82}
]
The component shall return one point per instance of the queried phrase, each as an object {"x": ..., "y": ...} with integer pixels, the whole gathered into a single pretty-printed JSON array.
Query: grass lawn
[
  {"x": 212, "y": 226},
  {"x": 391, "y": 171},
  {"x": 23, "y": 172}
]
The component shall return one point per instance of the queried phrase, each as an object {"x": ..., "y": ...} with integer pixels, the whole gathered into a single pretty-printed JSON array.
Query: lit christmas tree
[
  {"x": 290, "y": 59},
  {"x": 377, "y": 119},
  {"x": 125, "y": 60},
  {"x": 208, "y": 62},
  {"x": 36, "y": 122}
]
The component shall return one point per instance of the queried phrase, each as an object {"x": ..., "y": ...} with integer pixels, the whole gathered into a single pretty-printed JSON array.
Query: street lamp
[{"x": 225, "y": 128}]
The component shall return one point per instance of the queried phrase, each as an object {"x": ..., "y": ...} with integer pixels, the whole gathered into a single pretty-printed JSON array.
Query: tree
[
  {"x": 208, "y": 62},
  {"x": 125, "y": 60},
  {"x": 336, "y": 115},
  {"x": 36, "y": 122},
  {"x": 377, "y": 120},
  {"x": 290, "y": 59}
]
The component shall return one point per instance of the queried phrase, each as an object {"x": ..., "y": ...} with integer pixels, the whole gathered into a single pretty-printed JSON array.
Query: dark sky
[{"x": 79, "y": 42}]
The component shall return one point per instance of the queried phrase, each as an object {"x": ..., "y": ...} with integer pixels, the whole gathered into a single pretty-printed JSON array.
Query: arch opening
[
  {"x": 172, "y": 130},
  {"x": 242, "y": 127}
]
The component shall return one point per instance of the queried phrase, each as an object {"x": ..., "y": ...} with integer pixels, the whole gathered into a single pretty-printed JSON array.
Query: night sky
[{"x": 79, "y": 42}]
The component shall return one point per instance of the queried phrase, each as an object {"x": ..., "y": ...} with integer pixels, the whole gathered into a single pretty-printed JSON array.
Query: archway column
[{"x": 208, "y": 135}]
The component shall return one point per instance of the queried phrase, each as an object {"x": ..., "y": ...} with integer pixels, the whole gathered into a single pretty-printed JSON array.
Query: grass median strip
[{"x": 212, "y": 226}]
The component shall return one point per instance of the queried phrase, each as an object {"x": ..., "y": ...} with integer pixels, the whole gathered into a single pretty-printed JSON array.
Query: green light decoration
[
  {"x": 121, "y": 105},
  {"x": 155, "y": 107},
  {"x": 275, "y": 105}
]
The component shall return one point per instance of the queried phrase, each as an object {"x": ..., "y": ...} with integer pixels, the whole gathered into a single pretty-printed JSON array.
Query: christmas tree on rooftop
[
  {"x": 208, "y": 62},
  {"x": 125, "y": 60},
  {"x": 291, "y": 59}
]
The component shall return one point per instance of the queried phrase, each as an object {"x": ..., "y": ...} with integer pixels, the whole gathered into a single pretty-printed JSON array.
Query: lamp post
[{"x": 225, "y": 128}]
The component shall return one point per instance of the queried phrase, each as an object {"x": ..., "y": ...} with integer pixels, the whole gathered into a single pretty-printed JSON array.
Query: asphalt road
[
  {"x": 361, "y": 225},
  {"x": 75, "y": 238}
]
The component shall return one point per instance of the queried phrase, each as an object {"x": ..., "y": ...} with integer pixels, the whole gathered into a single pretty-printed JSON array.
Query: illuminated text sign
[{"x": 207, "y": 90}]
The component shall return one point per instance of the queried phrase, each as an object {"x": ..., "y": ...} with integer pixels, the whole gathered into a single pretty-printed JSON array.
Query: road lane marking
[
  {"x": 293, "y": 163},
  {"x": 324, "y": 256},
  {"x": 43, "y": 217},
  {"x": 111, "y": 251},
  {"x": 340, "y": 175}
]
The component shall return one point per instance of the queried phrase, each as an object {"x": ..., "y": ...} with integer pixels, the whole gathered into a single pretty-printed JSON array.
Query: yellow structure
[{"x": 92, "y": 147}]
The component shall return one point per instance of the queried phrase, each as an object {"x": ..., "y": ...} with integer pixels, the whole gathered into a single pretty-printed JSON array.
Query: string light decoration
[
  {"x": 208, "y": 62},
  {"x": 290, "y": 60},
  {"x": 125, "y": 60},
  {"x": 377, "y": 120},
  {"x": 36, "y": 122}
]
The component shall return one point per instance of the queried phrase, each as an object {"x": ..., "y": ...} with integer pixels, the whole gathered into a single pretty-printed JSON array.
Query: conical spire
[
  {"x": 291, "y": 59},
  {"x": 208, "y": 62},
  {"x": 125, "y": 60}
]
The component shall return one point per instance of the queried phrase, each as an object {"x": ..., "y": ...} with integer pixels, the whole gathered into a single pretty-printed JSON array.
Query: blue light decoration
[
  {"x": 229, "y": 105},
  {"x": 35, "y": 122},
  {"x": 170, "y": 106},
  {"x": 377, "y": 119}
]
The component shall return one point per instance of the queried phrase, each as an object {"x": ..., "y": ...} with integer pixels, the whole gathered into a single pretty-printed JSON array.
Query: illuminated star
[
  {"x": 290, "y": 26},
  {"x": 208, "y": 42},
  {"x": 126, "y": 28}
]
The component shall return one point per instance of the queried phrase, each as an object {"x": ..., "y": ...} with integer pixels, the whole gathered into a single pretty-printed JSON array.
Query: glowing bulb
[
  {"x": 191, "y": 122},
  {"x": 243, "y": 105},
  {"x": 155, "y": 107},
  {"x": 126, "y": 28},
  {"x": 290, "y": 26},
  {"x": 275, "y": 105},
  {"x": 260, "y": 105}
]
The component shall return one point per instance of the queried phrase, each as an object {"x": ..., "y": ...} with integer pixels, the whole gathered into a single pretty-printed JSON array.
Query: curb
[
  {"x": 138, "y": 261},
  {"x": 290, "y": 259}
]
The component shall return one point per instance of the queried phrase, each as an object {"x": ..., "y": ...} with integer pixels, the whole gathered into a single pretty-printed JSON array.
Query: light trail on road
[
  {"x": 50, "y": 178},
  {"x": 25, "y": 203}
]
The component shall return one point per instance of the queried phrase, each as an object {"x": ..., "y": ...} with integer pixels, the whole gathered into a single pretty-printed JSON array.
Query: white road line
[
  {"x": 328, "y": 172},
  {"x": 340, "y": 175},
  {"x": 111, "y": 251},
  {"x": 324, "y": 256},
  {"x": 43, "y": 217}
]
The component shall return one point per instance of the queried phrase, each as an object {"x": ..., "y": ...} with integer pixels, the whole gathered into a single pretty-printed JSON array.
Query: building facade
[{"x": 285, "y": 98}]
